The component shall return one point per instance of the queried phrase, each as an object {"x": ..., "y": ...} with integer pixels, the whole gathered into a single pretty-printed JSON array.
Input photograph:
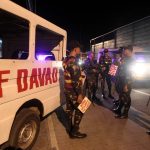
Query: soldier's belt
[{"x": 68, "y": 81}]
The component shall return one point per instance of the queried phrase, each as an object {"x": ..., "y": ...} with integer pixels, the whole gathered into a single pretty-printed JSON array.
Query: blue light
[{"x": 42, "y": 57}]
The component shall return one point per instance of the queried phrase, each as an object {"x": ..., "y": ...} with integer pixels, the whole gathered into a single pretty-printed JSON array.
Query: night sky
[{"x": 86, "y": 20}]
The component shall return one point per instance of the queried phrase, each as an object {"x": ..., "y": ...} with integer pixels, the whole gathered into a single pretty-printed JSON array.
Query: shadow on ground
[{"x": 62, "y": 117}]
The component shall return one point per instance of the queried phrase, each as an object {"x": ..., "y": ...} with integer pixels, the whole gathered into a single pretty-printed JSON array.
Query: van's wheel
[{"x": 25, "y": 129}]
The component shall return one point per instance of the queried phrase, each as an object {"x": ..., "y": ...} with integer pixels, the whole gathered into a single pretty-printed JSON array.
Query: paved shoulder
[{"x": 104, "y": 132}]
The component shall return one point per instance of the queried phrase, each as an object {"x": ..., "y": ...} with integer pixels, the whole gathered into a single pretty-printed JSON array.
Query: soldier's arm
[
  {"x": 75, "y": 77},
  {"x": 109, "y": 61},
  {"x": 127, "y": 77},
  {"x": 88, "y": 67},
  {"x": 99, "y": 68}
]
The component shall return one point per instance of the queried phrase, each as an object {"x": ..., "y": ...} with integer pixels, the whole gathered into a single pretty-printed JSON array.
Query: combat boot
[
  {"x": 104, "y": 97},
  {"x": 116, "y": 102},
  {"x": 76, "y": 134},
  {"x": 110, "y": 96},
  {"x": 115, "y": 110},
  {"x": 118, "y": 110}
]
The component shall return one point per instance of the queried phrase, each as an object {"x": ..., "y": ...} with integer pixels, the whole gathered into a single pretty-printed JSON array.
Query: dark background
[{"x": 85, "y": 20}]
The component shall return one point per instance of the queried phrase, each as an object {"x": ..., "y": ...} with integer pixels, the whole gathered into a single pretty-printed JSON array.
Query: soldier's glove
[{"x": 80, "y": 98}]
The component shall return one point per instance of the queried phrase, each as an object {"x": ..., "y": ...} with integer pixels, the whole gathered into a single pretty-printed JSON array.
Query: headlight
[
  {"x": 80, "y": 62},
  {"x": 139, "y": 69}
]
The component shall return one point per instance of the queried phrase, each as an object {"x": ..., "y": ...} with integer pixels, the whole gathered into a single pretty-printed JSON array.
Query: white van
[{"x": 29, "y": 82}]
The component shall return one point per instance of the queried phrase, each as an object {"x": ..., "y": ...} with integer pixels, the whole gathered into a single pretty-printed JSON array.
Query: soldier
[
  {"x": 73, "y": 90},
  {"x": 124, "y": 84},
  {"x": 105, "y": 62},
  {"x": 117, "y": 62},
  {"x": 91, "y": 72}
]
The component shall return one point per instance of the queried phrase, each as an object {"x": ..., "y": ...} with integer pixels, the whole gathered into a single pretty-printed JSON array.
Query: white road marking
[
  {"x": 145, "y": 123},
  {"x": 141, "y": 92},
  {"x": 142, "y": 114},
  {"x": 53, "y": 139}
]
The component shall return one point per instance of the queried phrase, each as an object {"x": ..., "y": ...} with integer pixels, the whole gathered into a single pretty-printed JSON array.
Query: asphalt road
[
  {"x": 141, "y": 96},
  {"x": 104, "y": 132}
]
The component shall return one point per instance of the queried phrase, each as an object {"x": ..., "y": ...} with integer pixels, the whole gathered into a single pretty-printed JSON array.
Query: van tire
[{"x": 25, "y": 129}]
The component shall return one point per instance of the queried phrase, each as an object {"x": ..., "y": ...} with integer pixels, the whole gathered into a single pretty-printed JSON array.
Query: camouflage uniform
[
  {"x": 91, "y": 78},
  {"x": 105, "y": 62},
  {"x": 124, "y": 78},
  {"x": 73, "y": 87}
]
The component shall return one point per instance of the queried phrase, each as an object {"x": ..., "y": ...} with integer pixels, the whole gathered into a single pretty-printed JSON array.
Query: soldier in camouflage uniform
[
  {"x": 105, "y": 61},
  {"x": 91, "y": 70},
  {"x": 124, "y": 84},
  {"x": 73, "y": 90}
]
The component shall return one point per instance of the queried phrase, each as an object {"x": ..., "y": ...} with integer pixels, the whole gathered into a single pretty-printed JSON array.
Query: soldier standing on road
[
  {"x": 124, "y": 84},
  {"x": 73, "y": 90},
  {"x": 117, "y": 62},
  {"x": 105, "y": 61},
  {"x": 90, "y": 69}
]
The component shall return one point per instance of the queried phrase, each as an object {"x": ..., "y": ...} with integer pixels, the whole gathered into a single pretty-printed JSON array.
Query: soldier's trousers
[
  {"x": 91, "y": 86},
  {"x": 125, "y": 101},
  {"x": 74, "y": 114},
  {"x": 106, "y": 77}
]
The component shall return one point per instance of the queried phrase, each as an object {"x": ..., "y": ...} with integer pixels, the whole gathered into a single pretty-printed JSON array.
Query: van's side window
[
  {"x": 46, "y": 44},
  {"x": 14, "y": 36}
]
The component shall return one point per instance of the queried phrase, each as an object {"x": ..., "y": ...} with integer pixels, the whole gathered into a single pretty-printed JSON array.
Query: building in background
[{"x": 136, "y": 34}]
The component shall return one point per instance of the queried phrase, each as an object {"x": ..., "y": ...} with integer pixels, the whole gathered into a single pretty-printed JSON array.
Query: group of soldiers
[
  {"x": 75, "y": 90},
  {"x": 96, "y": 71}
]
